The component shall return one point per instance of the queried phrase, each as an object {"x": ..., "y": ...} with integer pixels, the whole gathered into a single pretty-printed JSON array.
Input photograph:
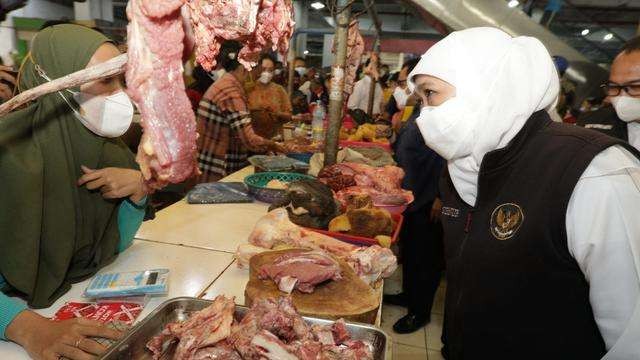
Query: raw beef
[
  {"x": 302, "y": 271},
  {"x": 203, "y": 329},
  {"x": 271, "y": 329},
  {"x": 155, "y": 34},
  {"x": 257, "y": 24},
  {"x": 355, "y": 49},
  {"x": 275, "y": 229},
  {"x": 382, "y": 184},
  {"x": 372, "y": 263}
]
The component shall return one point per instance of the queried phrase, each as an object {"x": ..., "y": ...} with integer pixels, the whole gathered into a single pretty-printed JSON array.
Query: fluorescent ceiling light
[
  {"x": 306, "y": 52},
  {"x": 608, "y": 37},
  {"x": 585, "y": 32},
  {"x": 317, "y": 5},
  {"x": 513, "y": 3}
]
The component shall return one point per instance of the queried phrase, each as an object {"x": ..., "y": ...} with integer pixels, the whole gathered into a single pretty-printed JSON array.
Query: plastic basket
[
  {"x": 304, "y": 157},
  {"x": 359, "y": 240},
  {"x": 257, "y": 185}
]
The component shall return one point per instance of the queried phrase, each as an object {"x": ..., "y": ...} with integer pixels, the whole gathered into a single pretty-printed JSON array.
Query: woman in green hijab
[{"x": 72, "y": 195}]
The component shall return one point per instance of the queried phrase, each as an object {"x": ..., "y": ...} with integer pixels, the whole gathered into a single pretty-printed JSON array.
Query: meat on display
[
  {"x": 167, "y": 151},
  {"x": 257, "y": 24},
  {"x": 301, "y": 270},
  {"x": 271, "y": 329}
]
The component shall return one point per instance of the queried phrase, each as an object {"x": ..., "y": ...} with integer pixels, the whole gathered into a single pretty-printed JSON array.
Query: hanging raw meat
[
  {"x": 258, "y": 25},
  {"x": 355, "y": 49},
  {"x": 167, "y": 151}
]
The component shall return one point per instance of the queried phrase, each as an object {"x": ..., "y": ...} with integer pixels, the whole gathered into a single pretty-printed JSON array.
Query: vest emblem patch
[
  {"x": 451, "y": 212},
  {"x": 506, "y": 220}
]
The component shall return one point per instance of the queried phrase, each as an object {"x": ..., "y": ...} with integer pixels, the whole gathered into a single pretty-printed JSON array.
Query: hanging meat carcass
[
  {"x": 257, "y": 24},
  {"x": 167, "y": 151},
  {"x": 355, "y": 50}
]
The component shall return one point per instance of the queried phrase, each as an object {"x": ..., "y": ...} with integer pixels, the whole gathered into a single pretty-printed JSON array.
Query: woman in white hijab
[{"x": 542, "y": 234}]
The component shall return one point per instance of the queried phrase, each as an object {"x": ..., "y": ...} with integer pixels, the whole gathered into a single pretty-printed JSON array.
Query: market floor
[{"x": 422, "y": 344}]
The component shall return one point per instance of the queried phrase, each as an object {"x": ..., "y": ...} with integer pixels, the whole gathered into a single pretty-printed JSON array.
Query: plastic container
[
  {"x": 303, "y": 157},
  {"x": 393, "y": 209},
  {"x": 364, "y": 241},
  {"x": 317, "y": 124},
  {"x": 257, "y": 184}
]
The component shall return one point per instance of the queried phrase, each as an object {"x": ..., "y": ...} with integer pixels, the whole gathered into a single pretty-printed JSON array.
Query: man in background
[
  {"x": 622, "y": 118},
  {"x": 359, "y": 99}
]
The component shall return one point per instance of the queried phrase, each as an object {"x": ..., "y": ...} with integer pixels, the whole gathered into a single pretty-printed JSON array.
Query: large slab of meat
[
  {"x": 301, "y": 270},
  {"x": 257, "y": 24},
  {"x": 276, "y": 230},
  {"x": 382, "y": 184},
  {"x": 155, "y": 34},
  {"x": 272, "y": 329},
  {"x": 355, "y": 50}
]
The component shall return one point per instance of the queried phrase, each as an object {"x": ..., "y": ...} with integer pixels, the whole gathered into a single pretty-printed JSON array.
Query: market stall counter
[
  {"x": 191, "y": 272},
  {"x": 220, "y": 227}
]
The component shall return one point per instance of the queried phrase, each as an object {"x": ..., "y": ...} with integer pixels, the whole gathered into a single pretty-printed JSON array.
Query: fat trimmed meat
[
  {"x": 155, "y": 36},
  {"x": 302, "y": 270}
]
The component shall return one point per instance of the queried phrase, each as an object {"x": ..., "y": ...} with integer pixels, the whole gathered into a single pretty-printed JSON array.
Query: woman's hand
[
  {"x": 6, "y": 91},
  {"x": 44, "y": 339},
  {"x": 114, "y": 183}
]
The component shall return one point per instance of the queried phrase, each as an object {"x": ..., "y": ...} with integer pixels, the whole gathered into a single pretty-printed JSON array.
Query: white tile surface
[
  {"x": 434, "y": 332},
  {"x": 406, "y": 352},
  {"x": 231, "y": 283},
  {"x": 192, "y": 270},
  {"x": 219, "y": 227},
  {"x": 391, "y": 314}
]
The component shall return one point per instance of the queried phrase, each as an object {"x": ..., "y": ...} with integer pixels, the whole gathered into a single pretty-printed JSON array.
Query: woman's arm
[
  {"x": 130, "y": 216},
  {"x": 9, "y": 309}
]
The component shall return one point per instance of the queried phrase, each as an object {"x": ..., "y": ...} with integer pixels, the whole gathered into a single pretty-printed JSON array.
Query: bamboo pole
[
  {"x": 336, "y": 95},
  {"x": 291, "y": 55},
  {"x": 113, "y": 67}
]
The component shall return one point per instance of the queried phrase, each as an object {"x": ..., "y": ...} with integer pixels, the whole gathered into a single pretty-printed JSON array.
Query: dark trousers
[{"x": 422, "y": 254}]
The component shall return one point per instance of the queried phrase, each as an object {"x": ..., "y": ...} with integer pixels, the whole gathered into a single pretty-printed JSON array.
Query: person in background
[
  {"x": 421, "y": 248},
  {"x": 319, "y": 92},
  {"x": 73, "y": 197},
  {"x": 280, "y": 75},
  {"x": 224, "y": 122},
  {"x": 300, "y": 66},
  {"x": 268, "y": 102},
  {"x": 550, "y": 11},
  {"x": 359, "y": 98},
  {"x": 310, "y": 75},
  {"x": 622, "y": 120},
  {"x": 202, "y": 81},
  {"x": 540, "y": 218},
  {"x": 384, "y": 71},
  {"x": 388, "y": 87},
  {"x": 401, "y": 93}
]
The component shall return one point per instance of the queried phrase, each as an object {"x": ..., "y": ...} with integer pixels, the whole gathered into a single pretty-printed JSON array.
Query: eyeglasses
[{"x": 611, "y": 89}]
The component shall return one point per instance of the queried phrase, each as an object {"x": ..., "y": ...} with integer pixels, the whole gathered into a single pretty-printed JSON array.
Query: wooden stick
[{"x": 113, "y": 67}]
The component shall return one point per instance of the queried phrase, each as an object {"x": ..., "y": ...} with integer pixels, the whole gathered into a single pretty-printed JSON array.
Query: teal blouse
[{"x": 130, "y": 216}]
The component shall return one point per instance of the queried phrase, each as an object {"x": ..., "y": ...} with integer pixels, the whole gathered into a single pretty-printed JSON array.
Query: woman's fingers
[
  {"x": 97, "y": 329},
  {"x": 72, "y": 352},
  {"x": 8, "y": 77},
  {"x": 89, "y": 177},
  {"x": 86, "y": 169},
  {"x": 96, "y": 184},
  {"x": 91, "y": 347}
]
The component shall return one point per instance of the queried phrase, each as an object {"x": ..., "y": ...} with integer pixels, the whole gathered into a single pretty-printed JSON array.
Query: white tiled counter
[{"x": 192, "y": 271}]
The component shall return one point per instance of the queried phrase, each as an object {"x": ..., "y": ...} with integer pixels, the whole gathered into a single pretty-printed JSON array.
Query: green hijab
[{"x": 52, "y": 232}]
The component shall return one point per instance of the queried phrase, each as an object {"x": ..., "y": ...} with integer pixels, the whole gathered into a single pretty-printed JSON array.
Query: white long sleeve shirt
[
  {"x": 359, "y": 98},
  {"x": 603, "y": 235},
  {"x": 633, "y": 130}
]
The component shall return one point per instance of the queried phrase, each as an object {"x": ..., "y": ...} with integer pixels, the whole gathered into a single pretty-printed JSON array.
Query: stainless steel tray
[{"x": 133, "y": 345}]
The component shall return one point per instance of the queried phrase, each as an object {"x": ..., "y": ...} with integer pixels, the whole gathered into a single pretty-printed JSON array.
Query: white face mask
[
  {"x": 627, "y": 108},
  {"x": 445, "y": 129},
  {"x": 301, "y": 70},
  {"x": 277, "y": 71},
  {"x": 107, "y": 116},
  {"x": 401, "y": 97},
  {"x": 265, "y": 77}
]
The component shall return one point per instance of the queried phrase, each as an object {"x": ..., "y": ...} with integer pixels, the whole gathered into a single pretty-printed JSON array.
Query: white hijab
[{"x": 500, "y": 82}]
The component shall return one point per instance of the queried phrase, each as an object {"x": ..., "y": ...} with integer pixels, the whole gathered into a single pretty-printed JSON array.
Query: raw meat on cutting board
[
  {"x": 167, "y": 151},
  {"x": 275, "y": 229},
  {"x": 301, "y": 270}
]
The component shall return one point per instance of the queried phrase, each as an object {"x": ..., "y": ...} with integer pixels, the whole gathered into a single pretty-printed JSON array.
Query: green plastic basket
[{"x": 257, "y": 185}]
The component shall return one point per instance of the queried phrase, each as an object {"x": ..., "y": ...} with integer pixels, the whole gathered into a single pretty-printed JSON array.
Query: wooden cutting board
[{"x": 349, "y": 298}]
